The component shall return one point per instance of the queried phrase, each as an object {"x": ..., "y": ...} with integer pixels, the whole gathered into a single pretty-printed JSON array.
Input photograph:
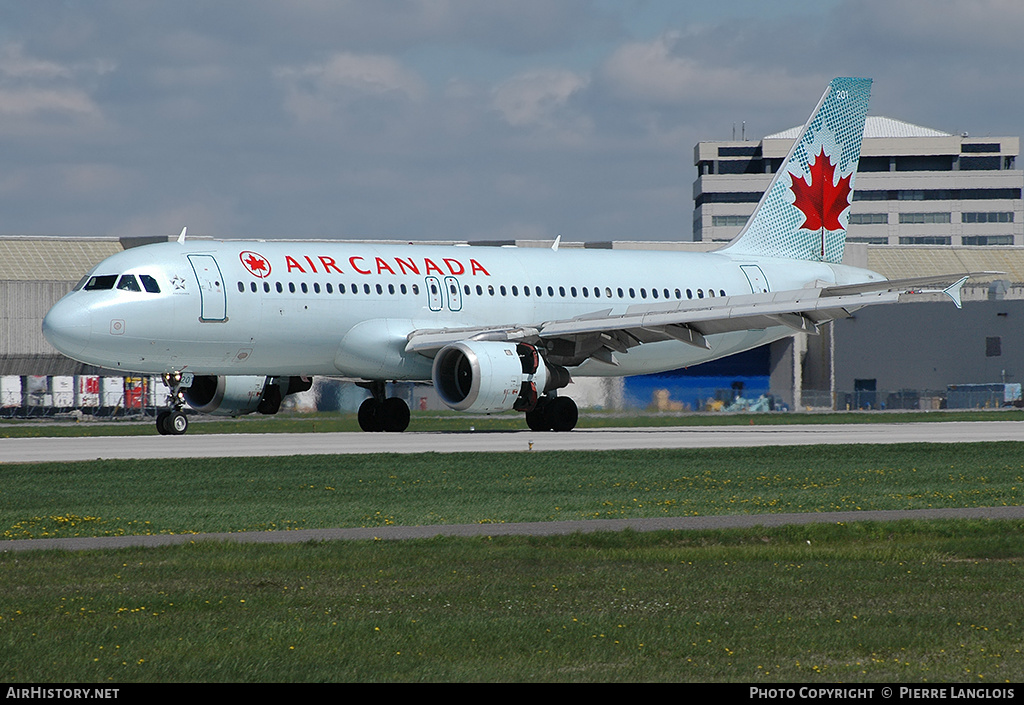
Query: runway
[{"x": 26, "y": 450}]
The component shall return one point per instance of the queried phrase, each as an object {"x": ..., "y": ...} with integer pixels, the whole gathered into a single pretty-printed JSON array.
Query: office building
[{"x": 914, "y": 186}]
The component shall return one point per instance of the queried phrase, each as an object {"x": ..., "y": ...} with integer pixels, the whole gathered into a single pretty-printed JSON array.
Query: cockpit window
[
  {"x": 149, "y": 284},
  {"x": 105, "y": 281},
  {"x": 128, "y": 282}
]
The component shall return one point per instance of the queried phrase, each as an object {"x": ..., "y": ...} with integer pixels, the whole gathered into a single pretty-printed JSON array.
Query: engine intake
[
  {"x": 235, "y": 395},
  {"x": 490, "y": 377}
]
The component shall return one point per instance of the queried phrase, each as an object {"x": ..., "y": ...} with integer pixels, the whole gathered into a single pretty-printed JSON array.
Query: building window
[
  {"x": 993, "y": 346},
  {"x": 880, "y": 240},
  {"x": 966, "y": 148},
  {"x": 924, "y": 163},
  {"x": 728, "y": 221},
  {"x": 873, "y": 164},
  {"x": 1001, "y": 217},
  {"x": 910, "y": 195},
  {"x": 744, "y": 151},
  {"x": 986, "y": 240},
  {"x": 872, "y": 195},
  {"x": 939, "y": 194},
  {"x": 869, "y": 218},
  {"x": 925, "y": 240},
  {"x": 923, "y": 218},
  {"x": 980, "y": 163},
  {"x": 729, "y": 197}
]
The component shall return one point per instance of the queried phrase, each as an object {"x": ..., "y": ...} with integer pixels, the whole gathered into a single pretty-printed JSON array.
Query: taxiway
[{"x": 25, "y": 450}]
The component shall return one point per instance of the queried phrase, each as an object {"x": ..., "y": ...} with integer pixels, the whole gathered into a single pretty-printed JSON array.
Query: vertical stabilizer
[{"x": 804, "y": 213}]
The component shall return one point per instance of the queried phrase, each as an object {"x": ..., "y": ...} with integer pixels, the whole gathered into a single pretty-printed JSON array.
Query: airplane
[{"x": 235, "y": 326}]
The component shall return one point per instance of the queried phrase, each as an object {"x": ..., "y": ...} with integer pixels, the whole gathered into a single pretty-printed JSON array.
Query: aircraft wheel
[
  {"x": 161, "y": 422},
  {"x": 371, "y": 416},
  {"x": 562, "y": 413},
  {"x": 394, "y": 413},
  {"x": 537, "y": 418},
  {"x": 176, "y": 423}
]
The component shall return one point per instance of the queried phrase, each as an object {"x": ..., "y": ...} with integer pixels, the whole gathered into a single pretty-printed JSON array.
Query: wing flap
[{"x": 691, "y": 321}]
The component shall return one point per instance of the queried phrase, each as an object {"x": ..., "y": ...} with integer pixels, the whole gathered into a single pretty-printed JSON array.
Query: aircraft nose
[{"x": 68, "y": 326}]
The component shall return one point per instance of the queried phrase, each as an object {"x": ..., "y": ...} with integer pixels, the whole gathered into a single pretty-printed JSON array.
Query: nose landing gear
[{"x": 173, "y": 422}]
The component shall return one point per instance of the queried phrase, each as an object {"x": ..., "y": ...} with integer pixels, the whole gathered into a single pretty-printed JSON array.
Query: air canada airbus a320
[{"x": 236, "y": 326}]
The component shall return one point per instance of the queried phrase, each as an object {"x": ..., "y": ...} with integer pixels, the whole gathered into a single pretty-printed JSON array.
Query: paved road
[
  {"x": 20, "y": 450},
  {"x": 544, "y": 528}
]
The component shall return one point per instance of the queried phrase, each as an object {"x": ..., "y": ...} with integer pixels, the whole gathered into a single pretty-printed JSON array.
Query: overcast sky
[{"x": 448, "y": 119}]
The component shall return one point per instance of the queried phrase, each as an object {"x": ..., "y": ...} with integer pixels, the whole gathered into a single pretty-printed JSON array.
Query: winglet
[
  {"x": 953, "y": 291},
  {"x": 181, "y": 238},
  {"x": 554, "y": 245}
]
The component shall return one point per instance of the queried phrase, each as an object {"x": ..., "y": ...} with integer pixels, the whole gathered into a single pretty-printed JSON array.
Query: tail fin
[{"x": 803, "y": 214}]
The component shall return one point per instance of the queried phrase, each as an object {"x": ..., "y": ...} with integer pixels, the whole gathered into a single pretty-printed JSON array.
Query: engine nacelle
[
  {"x": 489, "y": 377},
  {"x": 235, "y": 395}
]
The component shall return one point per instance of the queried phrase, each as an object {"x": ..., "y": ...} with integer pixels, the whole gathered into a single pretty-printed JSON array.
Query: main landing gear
[
  {"x": 391, "y": 414},
  {"x": 381, "y": 413},
  {"x": 173, "y": 422},
  {"x": 553, "y": 414}
]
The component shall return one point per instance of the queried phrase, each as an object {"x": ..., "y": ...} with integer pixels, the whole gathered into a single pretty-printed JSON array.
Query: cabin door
[{"x": 212, "y": 293}]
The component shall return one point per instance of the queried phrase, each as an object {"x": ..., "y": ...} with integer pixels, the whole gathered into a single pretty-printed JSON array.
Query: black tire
[
  {"x": 371, "y": 416},
  {"x": 537, "y": 419},
  {"x": 161, "y": 423},
  {"x": 394, "y": 415},
  {"x": 176, "y": 423},
  {"x": 563, "y": 414}
]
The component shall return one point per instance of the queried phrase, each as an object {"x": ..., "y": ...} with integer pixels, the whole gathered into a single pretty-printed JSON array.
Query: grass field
[
  {"x": 907, "y": 602},
  {"x": 254, "y": 494},
  {"x": 902, "y": 601}
]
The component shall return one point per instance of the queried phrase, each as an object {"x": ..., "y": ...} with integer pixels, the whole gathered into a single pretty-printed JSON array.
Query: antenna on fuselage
[{"x": 181, "y": 237}]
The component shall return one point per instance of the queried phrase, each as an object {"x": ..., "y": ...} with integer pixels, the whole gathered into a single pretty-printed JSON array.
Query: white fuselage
[{"x": 347, "y": 309}]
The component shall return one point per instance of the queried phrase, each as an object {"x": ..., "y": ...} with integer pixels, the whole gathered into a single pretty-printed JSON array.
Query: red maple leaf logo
[
  {"x": 821, "y": 201},
  {"x": 256, "y": 263}
]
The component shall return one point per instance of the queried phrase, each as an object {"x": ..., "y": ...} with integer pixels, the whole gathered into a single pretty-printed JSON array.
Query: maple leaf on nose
[{"x": 820, "y": 200}]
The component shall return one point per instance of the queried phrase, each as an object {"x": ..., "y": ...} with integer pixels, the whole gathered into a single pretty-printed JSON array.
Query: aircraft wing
[{"x": 599, "y": 334}]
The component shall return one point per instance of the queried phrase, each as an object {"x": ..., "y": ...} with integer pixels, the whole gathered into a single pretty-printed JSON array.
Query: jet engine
[
  {"x": 236, "y": 394},
  {"x": 489, "y": 376}
]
